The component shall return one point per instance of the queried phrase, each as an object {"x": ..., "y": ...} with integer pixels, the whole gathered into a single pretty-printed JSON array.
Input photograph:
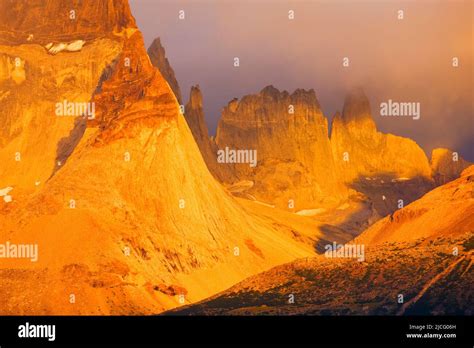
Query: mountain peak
[
  {"x": 157, "y": 55},
  {"x": 271, "y": 91},
  {"x": 156, "y": 44},
  {"x": 356, "y": 106},
  {"x": 195, "y": 97},
  {"x": 133, "y": 84},
  {"x": 194, "y": 115}
]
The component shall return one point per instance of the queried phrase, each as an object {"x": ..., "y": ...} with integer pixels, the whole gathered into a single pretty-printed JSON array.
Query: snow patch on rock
[
  {"x": 310, "y": 212},
  {"x": 73, "y": 46},
  {"x": 4, "y": 193}
]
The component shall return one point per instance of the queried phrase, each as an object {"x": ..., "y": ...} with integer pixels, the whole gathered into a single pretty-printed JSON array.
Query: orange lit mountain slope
[
  {"x": 131, "y": 221},
  {"x": 423, "y": 253}
]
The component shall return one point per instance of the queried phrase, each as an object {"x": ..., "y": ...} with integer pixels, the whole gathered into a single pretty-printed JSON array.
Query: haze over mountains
[
  {"x": 355, "y": 172},
  {"x": 400, "y": 59},
  {"x": 133, "y": 212}
]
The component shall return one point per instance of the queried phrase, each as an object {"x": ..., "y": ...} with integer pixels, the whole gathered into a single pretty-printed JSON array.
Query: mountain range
[{"x": 133, "y": 212}]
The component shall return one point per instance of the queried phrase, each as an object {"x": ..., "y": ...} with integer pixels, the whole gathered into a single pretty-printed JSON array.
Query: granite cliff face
[
  {"x": 362, "y": 173},
  {"x": 290, "y": 136},
  {"x": 34, "y": 138},
  {"x": 193, "y": 111},
  {"x": 132, "y": 95},
  {"x": 32, "y": 22},
  {"x": 130, "y": 221},
  {"x": 157, "y": 55},
  {"x": 361, "y": 151},
  {"x": 390, "y": 171},
  {"x": 194, "y": 116}
]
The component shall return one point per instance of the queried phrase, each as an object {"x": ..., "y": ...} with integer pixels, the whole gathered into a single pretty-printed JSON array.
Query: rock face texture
[
  {"x": 298, "y": 162},
  {"x": 362, "y": 172},
  {"x": 408, "y": 253},
  {"x": 31, "y": 134},
  {"x": 446, "y": 165},
  {"x": 361, "y": 151},
  {"x": 193, "y": 111},
  {"x": 157, "y": 55},
  {"x": 132, "y": 95},
  {"x": 131, "y": 221},
  {"x": 290, "y": 136},
  {"x": 25, "y": 21}
]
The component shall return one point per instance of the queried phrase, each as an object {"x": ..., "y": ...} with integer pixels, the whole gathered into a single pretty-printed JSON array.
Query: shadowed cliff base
[{"x": 375, "y": 198}]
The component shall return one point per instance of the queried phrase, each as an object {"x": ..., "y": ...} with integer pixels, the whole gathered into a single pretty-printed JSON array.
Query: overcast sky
[{"x": 407, "y": 60}]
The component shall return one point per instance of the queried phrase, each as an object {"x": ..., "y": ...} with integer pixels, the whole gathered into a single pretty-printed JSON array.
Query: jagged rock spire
[
  {"x": 157, "y": 55},
  {"x": 356, "y": 107}
]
